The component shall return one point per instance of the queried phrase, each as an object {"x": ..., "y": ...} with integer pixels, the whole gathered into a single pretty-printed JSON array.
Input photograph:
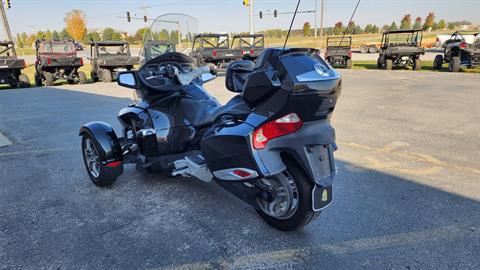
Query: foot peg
[{"x": 192, "y": 166}]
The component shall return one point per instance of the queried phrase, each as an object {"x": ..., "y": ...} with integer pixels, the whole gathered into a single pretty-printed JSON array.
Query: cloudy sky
[{"x": 229, "y": 15}]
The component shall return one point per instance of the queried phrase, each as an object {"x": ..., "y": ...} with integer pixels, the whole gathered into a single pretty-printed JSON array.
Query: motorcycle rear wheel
[{"x": 291, "y": 207}]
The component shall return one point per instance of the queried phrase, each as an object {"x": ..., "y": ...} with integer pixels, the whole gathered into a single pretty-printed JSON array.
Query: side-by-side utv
[
  {"x": 249, "y": 46},
  {"x": 401, "y": 48},
  {"x": 11, "y": 66},
  {"x": 110, "y": 57},
  {"x": 57, "y": 59},
  {"x": 339, "y": 52}
]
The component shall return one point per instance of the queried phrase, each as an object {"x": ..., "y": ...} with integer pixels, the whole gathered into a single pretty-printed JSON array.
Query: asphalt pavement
[{"x": 407, "y": 195}]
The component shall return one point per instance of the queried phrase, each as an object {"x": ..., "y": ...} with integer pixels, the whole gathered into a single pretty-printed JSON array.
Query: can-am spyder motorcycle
[{"x": 271, "y": 145}]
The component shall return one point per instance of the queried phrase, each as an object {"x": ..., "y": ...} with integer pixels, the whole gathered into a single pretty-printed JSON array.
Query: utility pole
[
  {"x": 6, "y": 26},
  {"x": 250, "y": 8},
  {"x": 316, "y": 17},
  {"x": 321, "y": 21}
]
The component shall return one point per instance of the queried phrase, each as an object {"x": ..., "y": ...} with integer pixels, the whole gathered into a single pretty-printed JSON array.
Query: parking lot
[{"x": 407, "y": 195}]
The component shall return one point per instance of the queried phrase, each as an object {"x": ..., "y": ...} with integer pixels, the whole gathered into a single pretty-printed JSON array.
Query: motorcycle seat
[{"x": 204, "y": 113}]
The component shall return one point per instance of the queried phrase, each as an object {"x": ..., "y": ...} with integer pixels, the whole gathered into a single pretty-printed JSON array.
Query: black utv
[
  {"x": 11, "y": 67},
  {"x": 110, "y": 57},
  {"x": 154, "y": 48},
  {"x": 249, "y": 46},
  {"x": 339, "y": 52},
  {"x": 401, "y": 48},
  {"x": 458, "y": 52},
  {"x": 57, "y": 59},
  {"x": 213, "y": 49}
]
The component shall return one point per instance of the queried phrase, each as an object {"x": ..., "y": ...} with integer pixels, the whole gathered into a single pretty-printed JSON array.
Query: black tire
[
  {"x": 388, "y": 64},
  {"x": 38, "y": 80},
  {"x": 349, "y": 64},
  {"x": 454, "y": 65},
  {"x": 94, "y": 76},
  {"x": 304, "y": 213},
  {"x": 23, "y": 81},
  {"x": 82, "y": 77},
  {"x": 373, "y": 49},
  {"x": 48, "y": 78},
  {"x": 379, "y": 62},
  {"x": 417, "y": 64},
  {"x": 106, "y": 175},
  {"x": 438, "y": 62},
  {"x": 363, "y": 49},
  {"x": 106, "y": 75}
]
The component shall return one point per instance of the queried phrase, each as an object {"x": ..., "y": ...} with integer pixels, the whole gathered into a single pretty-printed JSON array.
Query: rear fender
[{"x": 104, "y": 135}]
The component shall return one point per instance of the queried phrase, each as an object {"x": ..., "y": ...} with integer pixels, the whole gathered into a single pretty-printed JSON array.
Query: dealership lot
[{"x": 407, "y": 195}]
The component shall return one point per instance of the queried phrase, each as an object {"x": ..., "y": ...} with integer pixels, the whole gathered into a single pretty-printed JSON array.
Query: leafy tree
[
  {"x": 368, "y": 28},
  {"x": 64, "y": 34},
  {"x": 55, "y": 35},
  {"x": 435, "y": 26},
  {"x": 164, "y": 35},
  {"x": 306, "y": 29},
  {"x": 450, "y": 26},
  {"x": 358, "y": 30},
  {"x": 140, "y": 33},
  {"x": 393, "y": 27},
  {"x": 351, "y": 27},
  {"x": 174, "y": 36},
  {"x": 442, "y": 25},
  {"x": 76, "y": 24},
  {"x": 25, "y": 39},
  {"x": 48, "y": 34},
  {"x": 20, "y": 42},
  {"x": 375, "y": 29},
  {"x": 406, "y": 22},
  {"x": 429, "y": 21},
  {"x": 385, "y": 27},
  {"x": 40, "y": 35},
  {"x": 418, "y": 23},
  {"x": 338, "y": 29}
]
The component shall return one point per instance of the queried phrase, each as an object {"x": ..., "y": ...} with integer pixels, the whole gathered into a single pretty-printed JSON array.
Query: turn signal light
[
  {"x": 214, "y": 53},
  {"x": 81, "y": 61},
  {"x": 241, "y": 173},
  {"x": 49, "y": 61},
  {"x": 463, "y": 45},
  {"x": 287, "y": 124}
]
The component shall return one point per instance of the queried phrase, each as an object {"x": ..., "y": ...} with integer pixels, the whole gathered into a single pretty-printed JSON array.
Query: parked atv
[
  {"x": 57, "y": 59},
  {"x": 339, "y": 52},
  {"x": 11, "y": 67},
  {"x": 110, "y": 57},
  {"x": 213, "y": 49},
  {"x": 401, "y": 48},
  {"x": 249, "y": 46},
  {"x": 154, "y": 48},
  {"x": 458, "y": 52}
]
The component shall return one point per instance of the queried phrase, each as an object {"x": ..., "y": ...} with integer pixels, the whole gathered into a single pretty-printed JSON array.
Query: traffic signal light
[
  {"x": 129, "y": 19},
  {"x": 145, "y": 18},
  {"x": 261, "y": 15},
  {"x": 8, "y": 4},
  {"x": 275, "y": 13},
  {"x": 246, "y": 3}
]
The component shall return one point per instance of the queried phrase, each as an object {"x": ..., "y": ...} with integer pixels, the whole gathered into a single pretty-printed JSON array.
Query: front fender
[{"x": 104, "y": 135}]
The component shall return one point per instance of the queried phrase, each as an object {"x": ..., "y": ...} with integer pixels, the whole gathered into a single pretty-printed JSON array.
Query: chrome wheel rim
[
  {"x": 91, "y": 158},
  {"x": 285, "y": 203}
]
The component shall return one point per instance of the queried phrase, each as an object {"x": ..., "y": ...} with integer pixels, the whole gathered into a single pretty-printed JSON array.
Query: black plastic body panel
[{"x": 105, "y": 136}]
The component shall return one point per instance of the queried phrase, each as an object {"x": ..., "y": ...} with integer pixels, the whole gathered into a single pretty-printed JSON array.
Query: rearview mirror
[{"x": 127, "y": 79}]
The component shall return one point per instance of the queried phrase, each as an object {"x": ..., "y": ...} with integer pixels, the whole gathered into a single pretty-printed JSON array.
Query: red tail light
[
  {"x": 81, "y": 61},
  {"x": 350, "y": 54},
  {"x": 290, "y": 123},
  {"x": 49, "y": 61},
  {"x": 251, "y": 52},
  {"x": 214, "y": 53},
  {"x": 463, "y": 45},
  {"x": 114, "y": 164}
]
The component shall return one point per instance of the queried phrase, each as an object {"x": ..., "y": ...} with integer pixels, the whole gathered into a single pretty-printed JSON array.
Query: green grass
[
  {"x": 426, "y": 66},
  {"x": 25, "y": 51}
]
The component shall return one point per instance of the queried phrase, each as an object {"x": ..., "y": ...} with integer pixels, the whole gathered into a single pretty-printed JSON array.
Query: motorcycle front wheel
[{"x": 291, "y": 205}]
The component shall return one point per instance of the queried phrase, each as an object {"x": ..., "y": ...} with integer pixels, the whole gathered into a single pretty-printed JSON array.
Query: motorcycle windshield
[{"x": 172, "y": 32}]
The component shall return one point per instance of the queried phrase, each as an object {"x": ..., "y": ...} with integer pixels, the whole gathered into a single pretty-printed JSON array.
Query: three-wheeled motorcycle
[{"x": 271, "y": 145}]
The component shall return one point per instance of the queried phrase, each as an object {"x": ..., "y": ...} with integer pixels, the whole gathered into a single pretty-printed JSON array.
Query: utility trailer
[
  {"x": 11, "y": 66},
  {"x": 339, "y": 52},
  {"x": 108, "y": 58},
  {"x": 57, "y": 59},
  {"x": 401, "y": 48},
  {"x": 249, "y": 46}
]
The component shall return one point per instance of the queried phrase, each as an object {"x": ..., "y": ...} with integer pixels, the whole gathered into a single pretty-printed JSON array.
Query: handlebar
[{"x": 187, "y": 78}]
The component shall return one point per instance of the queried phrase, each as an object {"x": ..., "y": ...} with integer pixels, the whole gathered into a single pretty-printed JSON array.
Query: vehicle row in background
[
  {"x": 339, "y": 52},
  {"x": 459, "y": 52},
  {"x": 11, "y": 66},
  {"x": 369, "y": 48},
  {"x": 401, "y": 48},
  {"x": 216, "y": 49},
  {"x": 108, "y": 58},
  {"x": 57, "y": 59}
]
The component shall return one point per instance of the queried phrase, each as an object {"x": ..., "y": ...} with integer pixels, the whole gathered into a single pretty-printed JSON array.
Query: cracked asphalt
[{"x": 407, "y": 195}]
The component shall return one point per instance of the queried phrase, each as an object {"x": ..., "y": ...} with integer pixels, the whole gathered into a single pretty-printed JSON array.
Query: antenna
[
  {"x": 348, "y": 26},
  {"x": 291, "y": 24}
]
